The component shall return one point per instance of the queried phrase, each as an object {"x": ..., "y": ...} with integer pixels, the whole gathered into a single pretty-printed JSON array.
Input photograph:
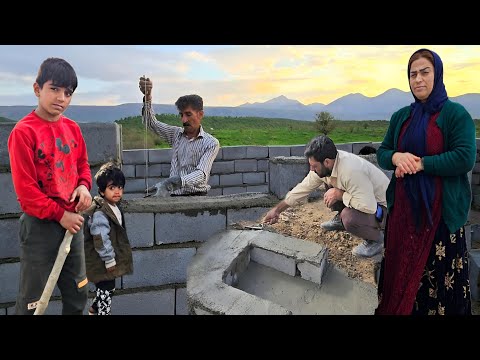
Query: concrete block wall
[{"x": 236, "y": 169}]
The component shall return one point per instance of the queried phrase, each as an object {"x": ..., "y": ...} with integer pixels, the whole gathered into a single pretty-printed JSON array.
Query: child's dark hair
[
  {"x": 59, "y": 71},
  {"x": 109, "y": 172}
]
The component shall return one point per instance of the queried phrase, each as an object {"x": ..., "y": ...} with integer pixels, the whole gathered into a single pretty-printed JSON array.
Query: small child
[{"x": 108, "y": 253}]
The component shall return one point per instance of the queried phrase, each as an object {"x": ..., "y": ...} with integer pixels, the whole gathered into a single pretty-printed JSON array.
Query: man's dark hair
[
  {"x": 195, "y": 101},
  {"x": 109, "y": 172},
  {"x": 321, "y": 148},
  {"x": 367, "y": 150},
  {"x": 59, "y": 71}
]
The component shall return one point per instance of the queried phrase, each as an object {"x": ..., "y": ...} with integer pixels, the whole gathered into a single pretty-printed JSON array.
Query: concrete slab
[{"x": 337, "y": 295}]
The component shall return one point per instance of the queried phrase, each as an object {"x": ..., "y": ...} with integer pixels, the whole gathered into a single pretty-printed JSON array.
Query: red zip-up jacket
[{"x": 48, "y": 161}]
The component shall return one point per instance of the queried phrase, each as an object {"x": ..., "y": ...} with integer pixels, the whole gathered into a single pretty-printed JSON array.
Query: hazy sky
[{"x": 230, "y": 75}]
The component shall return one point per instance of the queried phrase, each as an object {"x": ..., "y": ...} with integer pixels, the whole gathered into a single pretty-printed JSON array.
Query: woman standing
[{"x": 431, "y": 146}]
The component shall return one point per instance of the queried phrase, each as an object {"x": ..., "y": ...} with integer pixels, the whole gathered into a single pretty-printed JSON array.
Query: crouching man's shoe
[
  {"x": 368, "y": 248},
  {"x": 334, "y": 224}
]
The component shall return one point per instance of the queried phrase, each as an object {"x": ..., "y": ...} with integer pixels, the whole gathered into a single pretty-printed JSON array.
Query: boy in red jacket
[{"x": 52, "y": 180}]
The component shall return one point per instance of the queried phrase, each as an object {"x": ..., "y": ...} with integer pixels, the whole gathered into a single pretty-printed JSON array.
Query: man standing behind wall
[
  {"x": 193, "y": 149},
  {"x": 357, "y": 192}
]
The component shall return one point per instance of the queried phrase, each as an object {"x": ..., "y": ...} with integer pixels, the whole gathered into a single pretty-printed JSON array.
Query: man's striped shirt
[{"x": 192, "y": 159}]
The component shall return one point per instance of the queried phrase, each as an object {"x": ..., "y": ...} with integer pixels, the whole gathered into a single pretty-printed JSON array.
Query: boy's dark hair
[
  {"x": 59, "y": 71},
  {"x": 195, "y": 101},
  {"x": 109, "y": 172},
  {"x": 321, "y": 148}
]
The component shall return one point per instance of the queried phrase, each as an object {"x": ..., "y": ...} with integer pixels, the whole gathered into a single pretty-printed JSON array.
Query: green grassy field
[{"x": 254, "y": 131}]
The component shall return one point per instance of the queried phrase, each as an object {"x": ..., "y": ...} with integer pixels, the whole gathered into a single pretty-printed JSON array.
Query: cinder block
[
  {"x": 214, "y": 180},
  {"x": 231, "y": 179},
  {"x": 5, "y": 130},
  {"x": 234, "y": 152},
  {"x": 273, "y": 260},
  {"x": 257, "y": 152},
  {"x": 274, "y": 151},
  {"x": 262, "y": 165},
  {"x": 254, "y": 178},
  {"x": 128, "y": 171},
  {"x": 103, "y": 142},
  {"x": 137, "y": 156},
  {"x": 345, "y": 147},
  {"x": 181, "y": 307},
  {"x": 8, "y": 197},
  {"x": 161, "y": 302},
  {"x": 250, "y": 214},
  {"x": 159, "y": 267},
  {"x": 159, "y": 156},
  {"x": 298, "y": 150},
  {"x": 154, "y": 170},
  {"x": 140, "y": 229},
  {"x": 9, "y": 241},
  {"x": 179, "y": 228},
  {"x": 9, "y": 274},
  {"x": 245, "y": 165},
  {"x": 223, "y": 167}
]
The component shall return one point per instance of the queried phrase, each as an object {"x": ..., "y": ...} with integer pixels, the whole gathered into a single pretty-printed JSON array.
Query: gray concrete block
[
  {"x": 9, "y": 274},
  {"x": 234, "y": 190},
  {"x": 5, "y": 130},
  {"x": 234, "y": 152},
  {"x": 474, "y": 262},
  {"x": 9, "y": 241},
  {"x": 103, "y": 142},
  {"x": 258, "y": 188},
  {"x": 257, "y": 152},
  {"x": 166, "y": 170},
  {"x": 128, "y": 171},
  {"x": 345, "y": 147},
  {"x": 214, "y": 180},
  {"x": 161, "y": 302},
  {"x": 159, "y": 267},
  {"x": 179, "y": 228},
  {"x": 219, "y": 155},
  {"x": 223, "y": 167},
  {"x": 298, "y": 150},
  {"x": 159, "y": 156},
  {"x": 311, "y": 272},
  {"x": 137, "y": 156},
  {"x": 262, "y": 165},
  {"x": 140, "y": 229},
  {"x": 245, "y": 165},
  {"x": 273, "y": 260},
  {"x": 254, "y": 178},
  {"x": 284, "y": 176},
  {"x": 274, "y": 151},
  {"x": 231, "y": 179},
  {"x": 181, "y": 307},
  {"x": 249, "y": 214},
  {"x": 215, "y": 192},
  {"x": 154, "y": 170},
  {"x": 3, "y": 311},
  {"x": 138, "y": 184},
  {"x": 8, "y": 197}
]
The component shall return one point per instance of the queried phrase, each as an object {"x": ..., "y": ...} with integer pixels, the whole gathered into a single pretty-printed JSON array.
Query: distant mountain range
[{"x": 349, "y": 107}]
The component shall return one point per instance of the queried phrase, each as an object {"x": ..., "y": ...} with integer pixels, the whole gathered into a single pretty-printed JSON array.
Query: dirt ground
[{"x": 303, "y": 221}]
